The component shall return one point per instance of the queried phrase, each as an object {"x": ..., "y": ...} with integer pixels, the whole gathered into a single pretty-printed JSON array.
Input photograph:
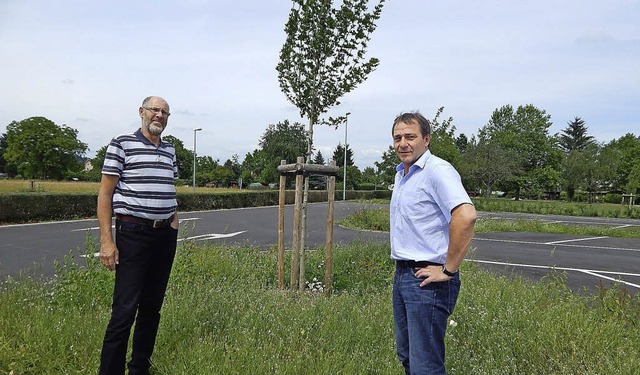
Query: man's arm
[
  {"x": 463, "y": 219},
  {"x": 108, "y": 251}
]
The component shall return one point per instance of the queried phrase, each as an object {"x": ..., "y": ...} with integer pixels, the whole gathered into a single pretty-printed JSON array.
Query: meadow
[{"x": 224, "y": 314}]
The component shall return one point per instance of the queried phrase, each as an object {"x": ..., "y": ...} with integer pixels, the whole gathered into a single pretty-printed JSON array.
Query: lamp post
[
  {"x": 344, "y": 179},
  {"x": 194, "y": 157}
]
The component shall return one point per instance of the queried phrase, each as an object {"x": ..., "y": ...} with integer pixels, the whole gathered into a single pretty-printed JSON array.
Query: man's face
[
  {"x": 155, "y": 115},
  {"x": 409, "y": 142}
]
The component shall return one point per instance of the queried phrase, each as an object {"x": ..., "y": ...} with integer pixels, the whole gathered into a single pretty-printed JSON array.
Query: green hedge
[{"x": 38, "y": 207}]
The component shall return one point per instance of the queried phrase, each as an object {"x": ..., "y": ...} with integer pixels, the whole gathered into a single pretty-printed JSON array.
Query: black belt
[
  {"x": 146, "y": 222},
  {"x": 415, "y": 264}
]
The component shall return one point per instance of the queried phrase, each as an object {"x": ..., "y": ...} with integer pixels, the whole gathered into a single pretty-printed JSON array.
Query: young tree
[
  {"x": 322, "y": 57},
  {"x": 41, "y": 149}
]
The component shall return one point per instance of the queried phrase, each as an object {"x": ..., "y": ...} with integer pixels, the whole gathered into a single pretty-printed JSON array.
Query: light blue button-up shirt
[{"x": 421, "y": 206}]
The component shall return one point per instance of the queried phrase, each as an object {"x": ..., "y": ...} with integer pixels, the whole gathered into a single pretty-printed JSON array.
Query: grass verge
[{"x": 223, "y": 314}]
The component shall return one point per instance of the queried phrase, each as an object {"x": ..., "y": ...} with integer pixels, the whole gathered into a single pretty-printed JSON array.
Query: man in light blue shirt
[{"x": 432, "y": 220}]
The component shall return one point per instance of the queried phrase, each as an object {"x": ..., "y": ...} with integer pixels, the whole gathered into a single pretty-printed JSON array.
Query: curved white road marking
[{"x": 596, "y": 273}]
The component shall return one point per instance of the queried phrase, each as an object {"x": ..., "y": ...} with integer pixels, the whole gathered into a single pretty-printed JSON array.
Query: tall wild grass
[{"x": 223, "y": 314}]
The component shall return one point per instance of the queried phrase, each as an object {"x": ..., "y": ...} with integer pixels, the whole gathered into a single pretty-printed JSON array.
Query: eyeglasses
[{"x": 156, "y": 110}]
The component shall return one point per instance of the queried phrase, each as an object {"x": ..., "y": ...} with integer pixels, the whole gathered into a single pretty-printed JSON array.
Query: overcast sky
[{"x": 89, "y": 64}]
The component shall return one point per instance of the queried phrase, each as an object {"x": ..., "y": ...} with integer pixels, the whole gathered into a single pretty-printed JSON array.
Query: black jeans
[{"x": 146, "y": 258}]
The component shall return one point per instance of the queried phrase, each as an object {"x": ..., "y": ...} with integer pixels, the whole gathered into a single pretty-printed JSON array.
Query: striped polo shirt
[{"x": 147, "y": 172}]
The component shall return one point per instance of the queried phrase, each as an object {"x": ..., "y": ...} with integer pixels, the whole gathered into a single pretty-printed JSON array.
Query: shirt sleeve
[
  {"x": 114, "y": 158},
  {"x": 448, "y": 188}
]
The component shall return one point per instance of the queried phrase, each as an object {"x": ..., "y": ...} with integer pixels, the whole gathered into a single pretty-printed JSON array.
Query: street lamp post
[
  {"x": 194, "y": 157},
  {"x": 344, "y": 179}
]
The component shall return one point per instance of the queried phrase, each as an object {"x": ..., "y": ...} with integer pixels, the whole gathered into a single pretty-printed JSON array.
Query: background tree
[
  {"x": 338, "y": 155},
  {"x": 209, "y": 171},
  {"x": 369, "y": 176},
  {"x": 234, "y": 166},
  {"x": 485, "y": 164},
  {"x": 319, "y": 159},
  {"x": 353, "y": 173},
  {"x": 525, "y": 133},
  {"x": 322, "y": 57},
  {"x": 253, "y": 165},
  {"x": 622, "y": 155},
  {"x": 41, "y": 149},
  {"x": 574, "y": 136},
  {"x": 633, "y": 182},
  {"x": 386, "y": 168},
  {"x": 574, "y": 141},
  {"x": 5, "y": 167},
  {"x": 318, "y": 182},
  {"x": 462, "y": 142},
  {"x": 282, "y": 141},
  {"x": 443, "y": 142},
  {"x": 184, "y": 158}
]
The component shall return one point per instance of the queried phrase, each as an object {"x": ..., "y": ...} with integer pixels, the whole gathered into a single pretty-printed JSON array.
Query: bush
[{"x": 612, "y": 198}]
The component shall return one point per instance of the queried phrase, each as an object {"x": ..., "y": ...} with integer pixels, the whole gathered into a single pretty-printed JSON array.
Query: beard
[{"x": 155, "y": 129}]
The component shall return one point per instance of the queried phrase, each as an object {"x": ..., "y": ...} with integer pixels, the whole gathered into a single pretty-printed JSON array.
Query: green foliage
[
  {"x": 620, "y": 157},
  {"x": 322, "y": 56},
  {"x": 443, "y": 142},
  {"x": 558, "y": 208},
  {"x": 386, "y": 168},
  {"x": 338, "y": 155},
  {"x": 282, "y": 141},
  {"x": 525, "y": 132},
  {"x": 184, "y": 157},
  {"x": 574, "y": 137},
  {"x": 39, "y": 206},
  {"x": 487, "y": 163},
  {"x": 38, "y": 148}
]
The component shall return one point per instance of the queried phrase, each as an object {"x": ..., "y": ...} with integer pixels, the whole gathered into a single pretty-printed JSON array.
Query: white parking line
[
  {"x": 573, "y": 240},
  {"x": 596, "y": 273},
  {"x": 565, "y": 245},
  {"x": 202, "y": 237},
  {"x": 210, "y": 236}
]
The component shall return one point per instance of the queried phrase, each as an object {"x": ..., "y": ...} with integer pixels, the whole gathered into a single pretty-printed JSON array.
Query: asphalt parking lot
[{"x": 586, "y": 262}]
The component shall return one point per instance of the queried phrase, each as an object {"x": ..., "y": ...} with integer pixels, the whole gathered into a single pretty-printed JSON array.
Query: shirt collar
[
  {"x": 144, "y": 139},
  {"x": 420, "y": 163}
]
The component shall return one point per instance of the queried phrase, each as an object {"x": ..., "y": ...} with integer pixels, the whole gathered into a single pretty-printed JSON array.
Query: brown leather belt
[{"x": 146, "y": 222}]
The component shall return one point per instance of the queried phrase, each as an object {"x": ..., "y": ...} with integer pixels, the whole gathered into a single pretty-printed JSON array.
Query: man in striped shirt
[{"x": 138, "y": 187}]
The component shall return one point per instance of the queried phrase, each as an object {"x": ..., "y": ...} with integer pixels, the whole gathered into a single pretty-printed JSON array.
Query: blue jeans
[
  {"x": 420, "y": 317},
  {"x": 146, "y": 258}
]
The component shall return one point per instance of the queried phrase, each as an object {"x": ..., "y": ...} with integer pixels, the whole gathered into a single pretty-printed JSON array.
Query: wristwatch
[{"x": 447, "y": 272}]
